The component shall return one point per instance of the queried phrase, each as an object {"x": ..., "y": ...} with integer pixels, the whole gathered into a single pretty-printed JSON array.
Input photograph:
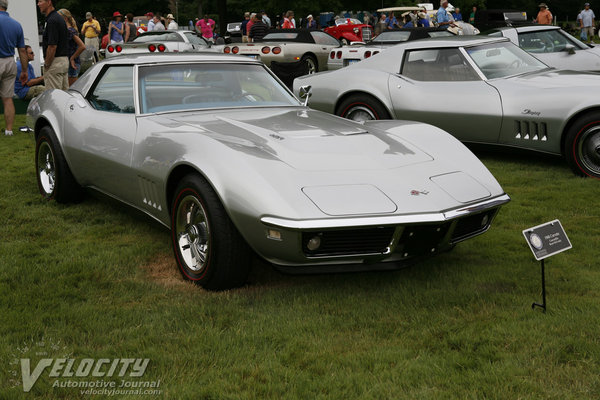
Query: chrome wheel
[
  {"x": 312, "y": 65},
  {"x": 588, "y": 149},
  {"x": 193, "y": 233},
  {"x": 46, "y": 168},
  {"x": 360, "y": 113}
]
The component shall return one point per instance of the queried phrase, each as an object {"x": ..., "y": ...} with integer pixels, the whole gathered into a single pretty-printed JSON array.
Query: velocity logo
[{"x": 70, "y": 367}]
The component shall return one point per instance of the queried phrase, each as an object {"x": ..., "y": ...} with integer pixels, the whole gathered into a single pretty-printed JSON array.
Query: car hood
[
  {"x": 552, "y": 79},
  {"x": 304, "y": 139}
]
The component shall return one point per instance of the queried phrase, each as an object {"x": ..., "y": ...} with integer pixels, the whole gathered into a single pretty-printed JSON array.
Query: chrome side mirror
[
  {"x": 305, "y": 93},
  {"x": 570, "y": 49}
]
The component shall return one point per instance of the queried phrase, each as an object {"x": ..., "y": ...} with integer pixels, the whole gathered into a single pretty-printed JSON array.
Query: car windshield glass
[
  {"x": 549, "y": 41},
  {"x": 194, "y": 39},
  {"x": 279, "y": 36},
  {"x": 179, "y": 87},
  {"x": 158, "y": 37},
  {"x": 344, "y": 21},
  {"x": 497, "y": 60},
  {"x": 392, "y": 37},
  {"x": 440, "y": 33}
]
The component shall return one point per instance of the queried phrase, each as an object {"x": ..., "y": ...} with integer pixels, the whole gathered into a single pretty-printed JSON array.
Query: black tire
[
  {"x": 313, "y": 65},
  {"x": 54, "y": 177},
  {"x": 362, "y": 107},
  {"x": 208, "y": 248},
  {"x": 582, "y": 145}
]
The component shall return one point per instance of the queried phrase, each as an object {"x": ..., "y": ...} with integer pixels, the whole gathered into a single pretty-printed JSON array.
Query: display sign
[{"x": 547, "y": 239}]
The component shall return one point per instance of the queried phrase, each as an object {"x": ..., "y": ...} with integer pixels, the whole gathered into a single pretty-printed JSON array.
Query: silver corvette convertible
[
  {"x": 219, "y": 151},
  {"x": 481, "y": 90}
]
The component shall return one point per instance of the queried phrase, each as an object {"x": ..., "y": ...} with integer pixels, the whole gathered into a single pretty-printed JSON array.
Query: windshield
[
  {"x": 195, "y": 39},
  {"x": 498, "y": 60},
  {"x": 549, "y": 41},
  {"x": 158, "y": 37},
  {"x": 179, "y": 87},
  {"x": 344, "y": 21},
  {"x": 392, "y": 37}
]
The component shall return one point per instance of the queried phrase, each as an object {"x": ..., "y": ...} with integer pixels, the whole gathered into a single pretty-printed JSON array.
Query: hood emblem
[
  {"x": 527, "y": 111},
  {"x": 418, "y": 192}
]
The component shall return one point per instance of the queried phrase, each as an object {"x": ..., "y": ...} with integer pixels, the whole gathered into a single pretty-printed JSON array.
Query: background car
[
  {"x": 290, "y": 45},
  {"x": 350, "y": 30},
  {"x": 347, "y": 55},
  {"x": 160, "y": 42},
  {"x": 216, "y": 149},
  {"x": 553, "y": 46},
  {"x": 482, "y": 90}
]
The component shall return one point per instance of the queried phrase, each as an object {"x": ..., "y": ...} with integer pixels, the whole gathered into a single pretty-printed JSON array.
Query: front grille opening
[
  {"x": 420, "y": 240},
  {"x": 347, "y": 242},
  {"x": 472, "y": 225}
]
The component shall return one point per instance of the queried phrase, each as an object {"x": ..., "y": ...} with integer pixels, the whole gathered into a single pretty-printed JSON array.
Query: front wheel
[
  {"x": 208, "y": 248},
  {"x": 54, "y": 177},
  {"x": 362, "y": 108},
  {"x": 582, "y": 145}
]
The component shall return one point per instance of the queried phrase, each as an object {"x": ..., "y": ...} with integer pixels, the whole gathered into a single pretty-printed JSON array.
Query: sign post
[{"x": 544, "y": 241}]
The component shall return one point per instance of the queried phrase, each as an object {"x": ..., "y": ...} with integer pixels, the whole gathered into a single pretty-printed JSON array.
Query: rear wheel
[
  {"x": 362, "y": 108},
  {"x": 208, "y": 248},
  {"x": 54, "y": 177},
  {"x": 312, "y": 63},
  {"x": 582, "y": 145}
]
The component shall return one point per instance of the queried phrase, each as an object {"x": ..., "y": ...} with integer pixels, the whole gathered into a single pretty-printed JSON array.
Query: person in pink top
[{"x": 206, "y": 27}]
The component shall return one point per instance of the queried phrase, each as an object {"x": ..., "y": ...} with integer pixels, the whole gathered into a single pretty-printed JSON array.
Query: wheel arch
[
  {"x": 343, "y": 97},
  {"x": 314, "y": 56},
  {"x": 570, "y": 122},
  {"x": 177, "y": 174},
  {"x": 39, "y": 125}
]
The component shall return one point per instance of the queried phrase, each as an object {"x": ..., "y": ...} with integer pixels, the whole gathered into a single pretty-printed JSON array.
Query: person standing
[
  {"x": 11, "y": 37},
  {"x": 250, "y": 23},
  {"x": 266, "y": 19},
  {"x": 33, "y": 87},
  {"x": 472, "y": 16},
  {"x": 150, "y": 26},
  {"x": 55, "y": 45},
  {"x": 243, "y": 27},
  {"x": 311, "y": 24},
  {"x": 587, "y": 22},
  {"x": 171, "y": 24},
  {"x": 91, "y": 30},
  {"x": 259, "y": 29},
  {"x": 115, "y": 28},
  {"x": 206, "y": 26},
  {"x": 457, "y": 14},
  {"x": 544, "y": 17},
  {"x": 76, "y": 46},
  {"x": 130, "y": 28},
  {"x": 287, "y": 20},
  {"x": 158, "y": 25},
  {"x": 442, "y": 15}
]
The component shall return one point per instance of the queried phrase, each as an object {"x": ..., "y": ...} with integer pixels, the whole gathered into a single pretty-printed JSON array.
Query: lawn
[{"x": 98, "y": 281}]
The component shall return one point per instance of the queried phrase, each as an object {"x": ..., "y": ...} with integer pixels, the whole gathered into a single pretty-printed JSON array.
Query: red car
[{"x": 350, "y": 30}]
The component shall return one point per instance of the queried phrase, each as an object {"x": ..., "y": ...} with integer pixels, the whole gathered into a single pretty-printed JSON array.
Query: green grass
[{"x": 96, "y": 280}]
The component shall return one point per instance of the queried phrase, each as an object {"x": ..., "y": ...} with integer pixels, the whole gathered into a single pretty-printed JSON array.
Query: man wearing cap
[
  {"x": 311, "y": 24},
  {"x": 587, "y": 22},
  {"x": 171, "y": 24},
  {"x": 544, "y": 17},
  {"x": 55, "y": 44},
  {"x": 90, "y": 30},
  {"x": 150, "y": 26},
  {"x": 11, "y": 37}
]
